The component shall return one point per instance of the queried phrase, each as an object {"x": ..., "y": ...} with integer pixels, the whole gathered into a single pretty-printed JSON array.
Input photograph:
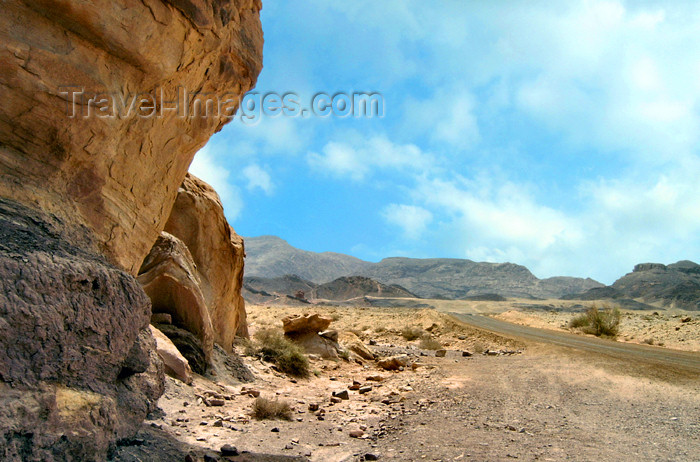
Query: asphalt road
[{"x": 681, "y": 361}]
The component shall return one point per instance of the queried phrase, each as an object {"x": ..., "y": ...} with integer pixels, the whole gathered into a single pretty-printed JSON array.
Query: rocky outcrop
[
  {"x": 676, "y": 285},
  {"x": 78, "y": 367},
  {"x": 169, "y": 277},
  {"x": 77, "y": 361},
  {"x": 116, "y": 166},
  {"x": 304, "y": 331},
  {"x": 198, "y": 220}
]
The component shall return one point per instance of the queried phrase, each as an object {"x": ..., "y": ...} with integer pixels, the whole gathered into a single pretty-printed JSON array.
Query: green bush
[
  {"x": 267, "y": 409},
  {"x": 274, "y": 347},
  {"x": 411, "y": 333},
  {"x": 601, "y": 323}
]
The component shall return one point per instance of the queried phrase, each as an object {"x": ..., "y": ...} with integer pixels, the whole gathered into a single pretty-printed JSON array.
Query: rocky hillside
[
  {"x": 269, "y": 256},
  {"x": 675, "y": 286},
  {"x": 290, "y": 288},
  {"x": 272, "y": 257}
]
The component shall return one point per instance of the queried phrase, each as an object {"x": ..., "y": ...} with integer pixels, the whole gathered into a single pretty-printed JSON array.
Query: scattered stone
[
  {"x": 352, "y": 342},
  {"x": 371, "y": 456},
  {"x": 462, "y": 337},
  {"x": 467, "y": 354},
  {"x": 491, "y": 353},
  {"x": 356, "y": 433},
  {"x": 210, "y": 458},
  {"x": 314, "y": 357},
  {"x": 313, "y": 407},
  {"x": 336, "y": 400},
  {"x": 229, "y": 450},
  {"x": 355, "y": 385},
  {"x": 440, "y": 353},
  {"x": 342, "y": 394},
  {"x": 214, "y": 402},
  {"x": 375, "y": 378},
  {"x": 365, "y": 389},
  {"x": 372, "y": 342},
  {"x": 275, "y": 430},
  {"x": 686, "y": 319},
  {"x": 218, "y": 423}
]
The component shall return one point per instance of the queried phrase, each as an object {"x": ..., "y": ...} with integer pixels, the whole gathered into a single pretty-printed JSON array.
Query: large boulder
[
  {"x": 197, "y": 218},
  {"x": 308, "y": 323},
  {"x": 116, "y": 172},
  {"x": 169, "y": 277},
  {"x": 174, "y": 363},
  {"x": 77, "y": 361}
]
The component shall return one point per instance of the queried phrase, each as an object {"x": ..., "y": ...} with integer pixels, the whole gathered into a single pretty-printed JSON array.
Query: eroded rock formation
[
  {"x": 117, "y": 176},
  {"x": 84, "y": 199},
  {"x": 198, "y": 220},
  {"x": 170, "y": 278}
]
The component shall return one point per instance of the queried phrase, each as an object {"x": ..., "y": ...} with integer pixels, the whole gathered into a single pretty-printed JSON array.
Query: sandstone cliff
[{"x": 83, "y": 199}]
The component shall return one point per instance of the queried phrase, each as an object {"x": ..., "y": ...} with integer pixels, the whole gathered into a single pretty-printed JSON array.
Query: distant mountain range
[
  {"x": 272, "y": 257},
  {"x": 274, "y": 268}
]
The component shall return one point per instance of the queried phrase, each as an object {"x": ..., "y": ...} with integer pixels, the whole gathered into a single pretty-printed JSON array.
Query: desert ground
[{"x": 509, "y": 400}]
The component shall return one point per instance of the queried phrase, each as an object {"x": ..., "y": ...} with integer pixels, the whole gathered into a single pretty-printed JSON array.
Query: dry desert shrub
[
  {"x": 601, "y": 323},
  {"x": 274, "y": 347},
  {"x": 267, "y": 409},
  {"x": 427, "y": 342},
  {"x": 411, "y": 333}
]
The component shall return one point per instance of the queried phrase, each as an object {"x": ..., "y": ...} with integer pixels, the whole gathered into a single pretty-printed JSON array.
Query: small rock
[
  {"x": 336, "y": 400},
  {"x": 365, "y": 389},
  {"x": 491, "y": 353},
  {"x": 209, "y": 458},
  {"x": 314, "y": 357},
  {"x": 372, "y": 342},
  {"x": 462, "y": 337},
  {"x": 356, "y": 433},
  {"x": 342, "y": 394},
  {"x": 371, "y": 456},
  {"x": 313, "y": 407},
  {"x": 440, "y": 353},
  {"x": 203, "y": 422},
  {"x": 215, "y": 402},
  {"x": 686, "y": 319},
  {"x": 288, "y": 446},
  {"x": 375, "y": 378},
  {"x": 229, "y": 450},
  {"x": 355, "y": 385},
  {"x": 466, "y": 354},
  {"x": 252, "y": 393},
  {"x": 275, "y": 430},
  {"x": 218, "y": 423}
]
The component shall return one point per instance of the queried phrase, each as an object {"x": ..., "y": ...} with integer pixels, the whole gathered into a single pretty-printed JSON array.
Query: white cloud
[
  {"x": 358, "y": 157},
  {"x": 258, "y": 178},
  {"x": 206, "y": 167},
  {"x": 411, "y": 219}
]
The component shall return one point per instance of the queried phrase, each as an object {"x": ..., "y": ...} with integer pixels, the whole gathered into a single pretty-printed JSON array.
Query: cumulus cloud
[
  {"x": 357, "y": 158},
  {"x": 258, "y": 178},
  {"x": 411, "y": 219}
]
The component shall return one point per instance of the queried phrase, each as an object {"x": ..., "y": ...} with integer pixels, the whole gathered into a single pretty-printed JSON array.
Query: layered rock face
[
  {"x": 117, "y": 176},
  {"x": 83, "y": 198}
]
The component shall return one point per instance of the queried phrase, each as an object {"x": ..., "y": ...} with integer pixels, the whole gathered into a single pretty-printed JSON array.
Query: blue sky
[{"x": 561, "y": 136}]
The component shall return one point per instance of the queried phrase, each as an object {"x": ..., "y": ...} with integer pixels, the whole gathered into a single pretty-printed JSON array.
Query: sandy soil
[
  {"x": 540, "y": 404},
  {"x": 662, "y": 328}
]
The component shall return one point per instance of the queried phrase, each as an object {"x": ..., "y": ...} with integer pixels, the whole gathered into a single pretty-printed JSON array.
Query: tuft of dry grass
[{"x": 267, "y": 409}]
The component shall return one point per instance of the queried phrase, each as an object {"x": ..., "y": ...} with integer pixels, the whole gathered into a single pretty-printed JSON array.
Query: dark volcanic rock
[{"x": 77, "y": 362}]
